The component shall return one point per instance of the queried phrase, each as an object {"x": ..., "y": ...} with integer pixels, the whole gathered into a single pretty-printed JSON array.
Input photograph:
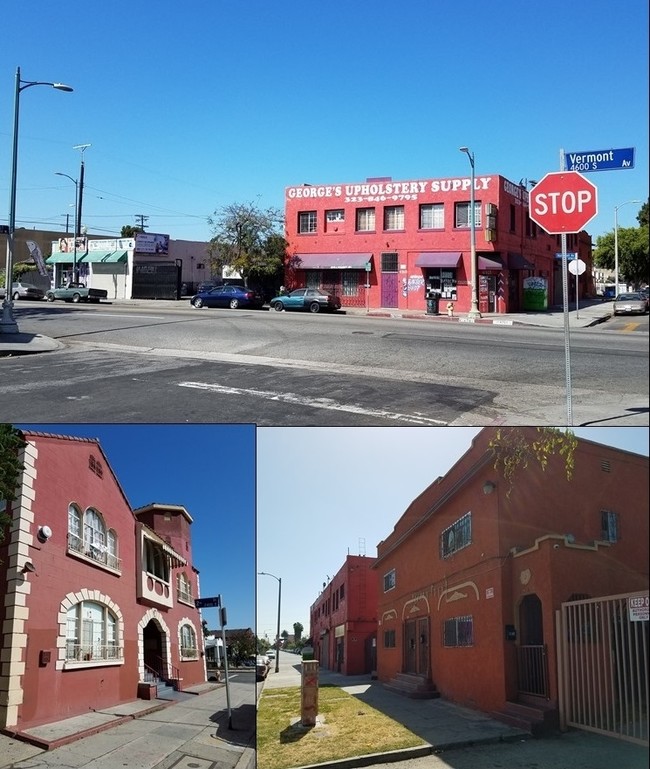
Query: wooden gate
[{"x": 603, "y": 665}]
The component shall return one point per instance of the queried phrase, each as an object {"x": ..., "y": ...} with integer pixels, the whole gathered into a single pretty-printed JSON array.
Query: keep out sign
[{"x": 639, "y": 608}]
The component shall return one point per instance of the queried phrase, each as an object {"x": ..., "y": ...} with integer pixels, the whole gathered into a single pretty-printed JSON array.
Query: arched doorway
[
  {"x": 154, "y": 648},
  {"x": 532, "y": 656}
]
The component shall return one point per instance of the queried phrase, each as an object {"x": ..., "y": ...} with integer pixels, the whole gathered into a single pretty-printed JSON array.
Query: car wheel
[
  {"x": 234, "y": 304},
  {"x": 278, "y": 307},
  {"x": 49, "y": 296},
  {"x": 314, "y": 307},
  {"x": 15, "y": 296},
  {"x": 76, "y": 298},
  {"x": 197, "y": 302}
]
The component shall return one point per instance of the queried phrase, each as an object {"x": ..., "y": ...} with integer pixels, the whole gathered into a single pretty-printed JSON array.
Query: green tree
[
  {"x": 248, "y": 240},
  {"x": 241, "y": 645},
  {"x": 516, "y": 447},
  {"x": 11, "y": 443},
  {"x": 129, "y": 231},
  {"x": 632, "y": 250},
  {"x": 297, "y": 631}
]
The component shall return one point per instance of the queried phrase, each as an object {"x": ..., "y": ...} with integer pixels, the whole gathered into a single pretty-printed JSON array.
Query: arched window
[
  {"x": 74, "y": 527},
  {"x": 88, "y": 537},
  {"x": 188, "y": 642},
  {"x": 91, "y": 633},
  {"x": 94, "y": 531},
  {"x": 184, "y": 588}
]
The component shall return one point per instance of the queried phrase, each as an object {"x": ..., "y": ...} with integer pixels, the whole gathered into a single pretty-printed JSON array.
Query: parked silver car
[
  {"x": 630, "y": 304},
  {"x": 20, "y": 290}
]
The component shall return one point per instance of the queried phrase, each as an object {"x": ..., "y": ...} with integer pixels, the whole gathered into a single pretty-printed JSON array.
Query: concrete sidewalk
[
  {"x": 593, "y": 313},
  {"x": 142, "y": 733}
]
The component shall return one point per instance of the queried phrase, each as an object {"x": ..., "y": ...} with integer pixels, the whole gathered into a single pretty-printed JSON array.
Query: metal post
[
  {"x": 474, "y": 311},
  {"x": 277, "y": 638},
  {"x": 225, "y": 661},
  {"x": 565, "y": 307},
  {"x": 8, "y": 324}
]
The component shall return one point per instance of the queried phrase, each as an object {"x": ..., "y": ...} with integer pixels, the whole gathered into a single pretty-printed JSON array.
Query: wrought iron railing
[
  {"x": 94, "y": 552},
  {"x": 93, "y": 652},
  {"x": 532, "y": 663}
]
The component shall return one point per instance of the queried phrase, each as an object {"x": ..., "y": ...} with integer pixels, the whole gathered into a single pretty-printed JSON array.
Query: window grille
[
  {"x": 457, "y": 536},
  {"x": 389, "y": 639},
  {"x": 350, "y": 283},
  {"x": 389, "y": 262},
  {"x": 458, "y": 631}
]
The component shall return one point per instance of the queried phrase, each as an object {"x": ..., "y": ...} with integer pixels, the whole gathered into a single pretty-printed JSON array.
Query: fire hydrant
[{"x": 450, "y": 309}]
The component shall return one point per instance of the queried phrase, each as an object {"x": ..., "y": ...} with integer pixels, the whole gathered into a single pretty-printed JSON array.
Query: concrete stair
[
  {"x": 538, "y": 718},
  {"x": 413, "y": 686}
]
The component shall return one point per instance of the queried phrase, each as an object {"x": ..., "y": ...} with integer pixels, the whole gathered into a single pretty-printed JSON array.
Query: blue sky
[
  {"x": 210, "y": 469},
  {"x": 324, "y": 493},
  {"x": 192, "y": 107}
]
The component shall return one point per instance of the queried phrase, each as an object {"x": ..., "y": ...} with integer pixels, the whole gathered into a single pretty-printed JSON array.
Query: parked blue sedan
[
  {"x": 311, "y": 299},
  {"x": 228, "y": 296}
]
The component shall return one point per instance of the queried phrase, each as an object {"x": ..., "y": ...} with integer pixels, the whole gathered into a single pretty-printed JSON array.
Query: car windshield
[{"x": 627, "y": 297}]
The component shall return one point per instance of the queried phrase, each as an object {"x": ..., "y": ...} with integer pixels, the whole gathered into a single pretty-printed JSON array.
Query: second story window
[
  {"x": 609, "y": 526},
  {"x": 432, "y": 216},
  {"x": 307, "y": 222},
  {"x": 394, "y": 218},
  {"x": 462, "y": 218},
  {"x": 89, "y": 537},
  {"x": 156, "y": 560},
  {"x": 389, "y": 581},
  {"x": 457, "y": 536},
  {"x": 184, "y": 592},
  {"x": 365, "y": 220}
]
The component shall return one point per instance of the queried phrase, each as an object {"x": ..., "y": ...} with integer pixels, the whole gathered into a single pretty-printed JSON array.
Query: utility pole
[
  {"x": 143, "y": 219},
  {"x": 77, "y": 225}
]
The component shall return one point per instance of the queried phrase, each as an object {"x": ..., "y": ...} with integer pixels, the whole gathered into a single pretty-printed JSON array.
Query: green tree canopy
[
  {"x": 632, "y": 250},
  {"x": 297, "y": 631},
  {"x": 11, "y": 442},
  {"x": 247, "y": 240}
]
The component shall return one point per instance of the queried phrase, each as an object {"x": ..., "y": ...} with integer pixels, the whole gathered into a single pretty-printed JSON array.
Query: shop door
[
  {"x": 423, "y": 646},
  {"x": 389, "y": 280},
  {"x": 487, "y": 293}
]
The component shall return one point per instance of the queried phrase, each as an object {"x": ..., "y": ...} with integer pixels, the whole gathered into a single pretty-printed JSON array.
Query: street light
[
  {"x": 616, "y": 243},
  {"x": 76, "y": 225},
  {"x": 8, "y": 324},
  {"x": 277, "y": 639},
  {"x": 473, "y": 311}
]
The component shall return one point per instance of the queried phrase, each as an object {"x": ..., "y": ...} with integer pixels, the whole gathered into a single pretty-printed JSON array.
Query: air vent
[{"x": 605, "y": 466}]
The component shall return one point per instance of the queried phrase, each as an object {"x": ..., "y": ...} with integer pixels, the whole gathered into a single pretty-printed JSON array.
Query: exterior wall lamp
[{"x": 489, "y": 487}]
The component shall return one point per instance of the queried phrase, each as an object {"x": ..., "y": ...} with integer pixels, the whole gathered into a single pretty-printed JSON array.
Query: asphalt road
[{"x": 127, "y": 364}]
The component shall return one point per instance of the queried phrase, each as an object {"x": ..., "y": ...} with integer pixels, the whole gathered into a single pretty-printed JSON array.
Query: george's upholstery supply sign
[{"x": 639, "y": 608}]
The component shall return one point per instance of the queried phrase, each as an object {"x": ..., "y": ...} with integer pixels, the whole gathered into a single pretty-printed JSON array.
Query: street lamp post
[
  {"x": 277, "y": 638},
  {"x": 473, "y": 311},
  {"x": 8, "y": 323},
  {"x": 76, "y": 225},
  {"x": 616, "y": 243}
]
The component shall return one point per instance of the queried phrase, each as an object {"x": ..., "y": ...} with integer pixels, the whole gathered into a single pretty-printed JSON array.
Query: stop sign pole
[{"x": 563, "y": 202}]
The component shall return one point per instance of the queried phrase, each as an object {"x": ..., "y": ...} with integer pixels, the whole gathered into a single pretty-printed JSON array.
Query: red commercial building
[
  {"x": 343, "y": 620},
  {"x": 475, "y": 572},
  {"x": 99, "y": 598},
  {"x": 394, "y": 244}
]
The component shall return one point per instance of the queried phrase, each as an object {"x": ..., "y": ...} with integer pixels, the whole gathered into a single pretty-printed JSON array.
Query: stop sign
[{"x": 564, "y": 201}]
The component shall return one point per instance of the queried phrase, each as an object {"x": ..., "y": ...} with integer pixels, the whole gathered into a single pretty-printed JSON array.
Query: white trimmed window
[
  {"x": 462, "y": 218},
  {"x": 188, "y": 642},
  {"x": 91, "y": 633},
  {"x": 184, "y": 588},
  {"x": 89, "y": 538},
  {"x": 389, "y": 580},
  {"x": 307, "y": 222}
]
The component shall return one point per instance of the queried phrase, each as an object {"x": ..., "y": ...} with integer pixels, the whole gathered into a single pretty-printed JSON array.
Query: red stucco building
[
  {"x": 474, "y": 571},
  {"x": 389, "y": 244},
  {"x": 99, "y": 598},
  {"x": 343, "y": 621}
]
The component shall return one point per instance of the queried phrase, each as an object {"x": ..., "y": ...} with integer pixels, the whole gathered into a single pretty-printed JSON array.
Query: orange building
[
  {"x": 99, "y": 598},
  {"x": 472, "y": 575}
]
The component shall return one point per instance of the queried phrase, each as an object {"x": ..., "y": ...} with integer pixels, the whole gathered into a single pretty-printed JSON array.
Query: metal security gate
[{"x": 603, "y": 665}]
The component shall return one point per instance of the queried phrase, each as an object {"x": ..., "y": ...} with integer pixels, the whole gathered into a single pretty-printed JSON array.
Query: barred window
[
  {"x": 365, "y": 219},
  {"x": 389, "y": 580},
  {"x": 609, "y": 525},
  {"x": 458, "y": 631},
  {"x": 389, "y": 262},
  {"x": 394, "y": 218},
  {"x": 432, "y": 216},
  {"x": 350, "y": 283},
  {"x": 307, "y": 222},
  {"x": 389, "y": 639},
  {"x": 463, "y": 214},
  {"x": 457, "y": 536}
]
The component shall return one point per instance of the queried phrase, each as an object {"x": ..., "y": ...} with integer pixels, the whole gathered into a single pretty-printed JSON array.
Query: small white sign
[
  {"x": 639, "y": 608},
  {"x": 489, "y": 592}
]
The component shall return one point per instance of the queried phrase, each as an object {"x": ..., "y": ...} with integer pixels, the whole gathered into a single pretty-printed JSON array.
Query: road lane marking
[
  {"x": 316, "y": 403},
  {"x": 630, "y": 327}
]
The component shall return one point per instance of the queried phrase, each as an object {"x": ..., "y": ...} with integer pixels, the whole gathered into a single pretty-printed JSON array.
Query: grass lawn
[{"x": 346, "y": 727}]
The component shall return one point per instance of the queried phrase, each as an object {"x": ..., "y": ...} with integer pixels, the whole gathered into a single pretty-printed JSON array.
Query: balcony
[{"x": 94, "y": 553}]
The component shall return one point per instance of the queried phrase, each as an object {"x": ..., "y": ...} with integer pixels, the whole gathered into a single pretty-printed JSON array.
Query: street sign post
[
  {"x": 563, "y": 202},
  {"x": 600, "y": 160}
]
